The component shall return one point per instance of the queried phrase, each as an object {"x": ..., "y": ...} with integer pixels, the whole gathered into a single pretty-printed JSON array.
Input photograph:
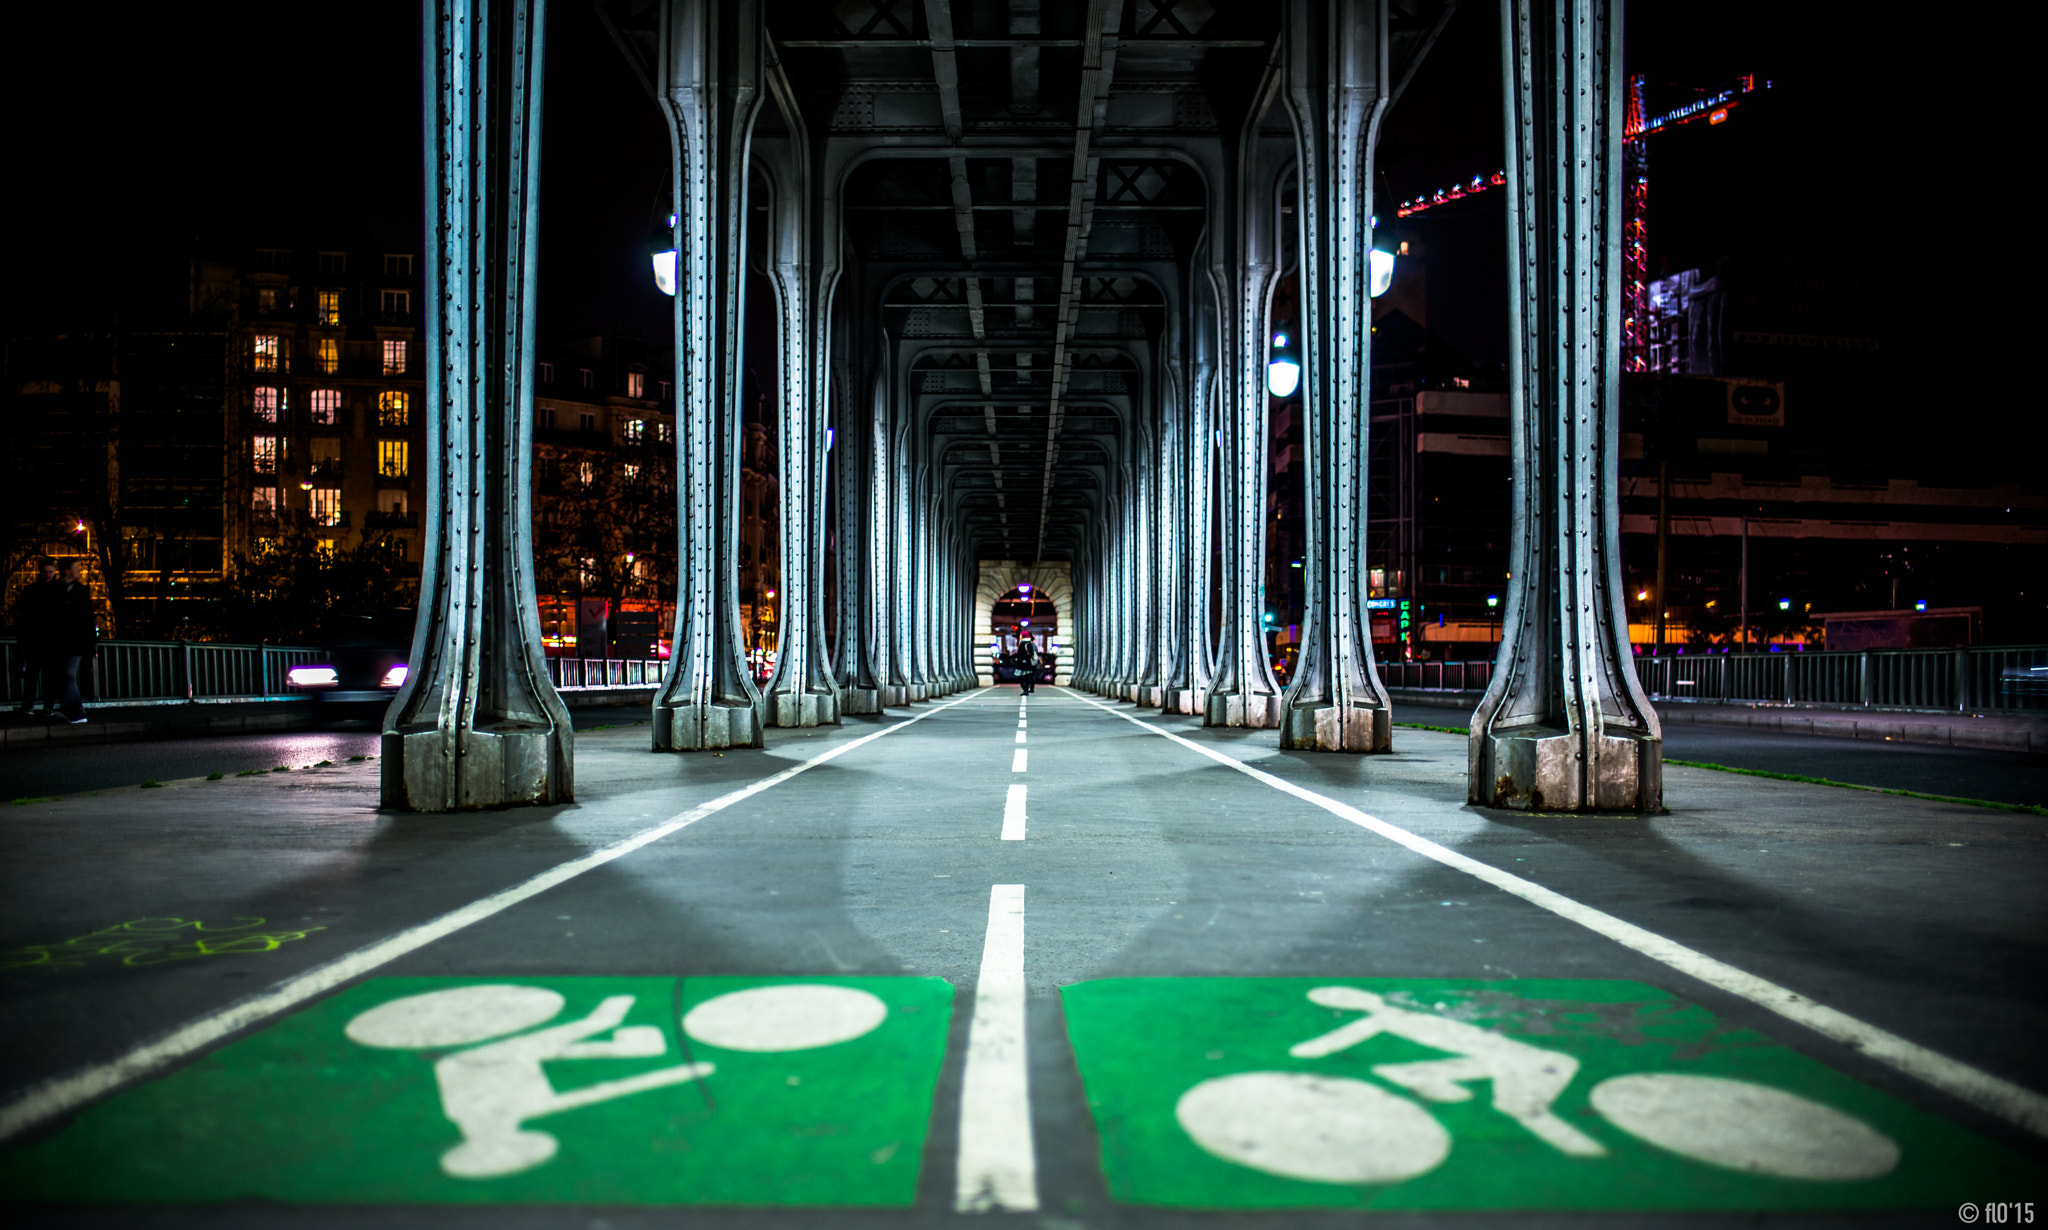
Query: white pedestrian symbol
[
  {"x": 1526, "y": 1079},
  {"x": 491, "y": 1091}
]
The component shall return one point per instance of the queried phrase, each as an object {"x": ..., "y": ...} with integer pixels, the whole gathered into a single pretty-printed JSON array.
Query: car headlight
[
  {"x": 312, "y": 676},
  {"x": 395, "y": 677}
]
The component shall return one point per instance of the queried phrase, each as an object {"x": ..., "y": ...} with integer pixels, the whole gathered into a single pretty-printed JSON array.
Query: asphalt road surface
[
  {"x": 1056, "y": 959},
  {"x": 39, "y": 770},
  {"x": 1955, "y": 772}
]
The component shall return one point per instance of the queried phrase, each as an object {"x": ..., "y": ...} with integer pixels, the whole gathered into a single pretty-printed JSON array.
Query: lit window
[
  {"x": 391, "y": 458},
  {"x": 398, "y": 264},
  {"x": 586, "y": 472},
  {"x": 323, "y": 409},
  {"x": 269, "y": 353},
  {"x": 633, "y": 431},
  {"x": 394, "y": 501},
  {"x": 631, "y": 470},
  {"x": 329, "y": 358},
  {"x": 267, "y": 300},
  {"x": 334, "y": 262},
  {"x": 636, "y": 384},
  {"x": 324, "y": 506},
  {"x": 394, "y": 358},
  {"x": 393, "y": 409},
  {"x": 324, "y": 546},
  {"x": 397, "y": 302},
  {"x": 263, "y": 502},
  {"x": 547, "y": 373},
  {"x": 329, "y": 311},
  {"x": 267, "y": 403},
  {"x": 664, "y": 433},
  {"x": 265, "y": 455}
]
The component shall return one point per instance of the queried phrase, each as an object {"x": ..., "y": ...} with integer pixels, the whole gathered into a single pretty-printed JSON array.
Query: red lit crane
[{"x": 1713, "y": 107}]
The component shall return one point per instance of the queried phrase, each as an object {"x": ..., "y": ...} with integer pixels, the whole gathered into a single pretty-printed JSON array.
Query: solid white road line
[
  {"x": 998, "y": 1166},
  {"x": 1017, "y": 761},
  {"x": 60, "y": 1095},
  {"x": 2009, "y": 1101},
  {"x": 1013, "y": 814}
]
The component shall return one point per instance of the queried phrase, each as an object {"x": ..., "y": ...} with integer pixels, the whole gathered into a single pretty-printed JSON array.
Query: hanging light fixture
[
  {"x": 1283, "y": 370},
  {"x": 661, "y": 249}
]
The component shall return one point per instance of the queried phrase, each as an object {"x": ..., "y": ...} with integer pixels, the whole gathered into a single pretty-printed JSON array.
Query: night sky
[{"x": 237, "y": 124}]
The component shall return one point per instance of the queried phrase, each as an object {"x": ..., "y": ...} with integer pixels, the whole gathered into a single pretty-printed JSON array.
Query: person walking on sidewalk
[
  {"x": 72, "y": 639},
  {"x": 35, "y": 628}
]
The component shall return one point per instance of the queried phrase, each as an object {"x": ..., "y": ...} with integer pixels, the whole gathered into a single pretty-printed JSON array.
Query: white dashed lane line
[{"x": 1013, "y": 814}]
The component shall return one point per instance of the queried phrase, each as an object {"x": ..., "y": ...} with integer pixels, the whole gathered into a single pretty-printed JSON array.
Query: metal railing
[
  {"x": 1437, "y": 676},
  {"x": 1968, "y": 678},
  {"x": 1977, "y": 677},
  {"x": 148, "y": 672},
  {"x": 567, "y": 673}
]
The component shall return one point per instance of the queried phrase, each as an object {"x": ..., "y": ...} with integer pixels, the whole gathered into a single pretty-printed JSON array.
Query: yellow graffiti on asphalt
[{"x": 154, "y": 941}]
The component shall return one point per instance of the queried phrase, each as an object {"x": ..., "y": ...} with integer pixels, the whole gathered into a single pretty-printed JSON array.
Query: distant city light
[
  {"x": 395, "y": 677},
  {"x": 1784, "y": 604},
  {"x": 1283, "y": 376},
  {"x": 1493, "y": 600},
  {"x": 1718, "y": 115},
  {"x": 1920, "y": 606},
  {"x": 1642, "y": 595}
]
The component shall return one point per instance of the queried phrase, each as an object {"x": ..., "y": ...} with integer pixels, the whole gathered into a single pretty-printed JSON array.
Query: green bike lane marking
[
  {"x": 1416, "y": 1094},
  {"x": 706, "y": 1090}
]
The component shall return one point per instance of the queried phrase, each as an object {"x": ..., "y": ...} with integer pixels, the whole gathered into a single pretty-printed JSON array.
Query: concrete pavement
[{"x": 1148, "y": 911}]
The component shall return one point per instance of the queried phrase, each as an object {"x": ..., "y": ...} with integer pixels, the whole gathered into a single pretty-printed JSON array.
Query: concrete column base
[
  {"x": 1181, "y": 700},
  {"x": 803, "y": 709},
  {"x": 894, "y": 695},
  {"x": 860, "y": 700},
  {"x": 510, "y": 763},
  {"x": 916, "y": 692},
  {"x": 1327, "y": 728},
  {"x": 1544, "y": 769},
  {"x": 694, "y": 728},
  {"x": 1147, "y": 696},
  {"x": 1260, "y": 710}
]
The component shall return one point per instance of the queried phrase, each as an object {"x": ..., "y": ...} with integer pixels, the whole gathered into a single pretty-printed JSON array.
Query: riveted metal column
[
  {"x": 852, "y": 468},
  {"x": 1244, "y": 692},
  {"x": 710, "y": 89},
  {"x": 801, "y": 691},
  {"x": 1145, "y": 578},
  {"x": 477, "y": 723},
  {"x": 886, "y": 523},
  {"x": 915, "y": 612},
  {"x": 1335, "y": 61},
  {"x": 1564, "y": 725},
  {"x": 1189, "y": 684}
]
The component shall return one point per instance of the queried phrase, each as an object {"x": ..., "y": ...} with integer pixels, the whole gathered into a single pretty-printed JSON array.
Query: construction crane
[{"x": 1638, "y": 126}]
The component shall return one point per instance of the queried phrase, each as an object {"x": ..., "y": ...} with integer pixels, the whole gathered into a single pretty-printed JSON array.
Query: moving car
[{"x": 363, "y": 668}]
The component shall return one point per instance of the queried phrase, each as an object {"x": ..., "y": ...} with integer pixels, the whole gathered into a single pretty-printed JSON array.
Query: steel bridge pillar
[
  {"x": 801, "y": 692},
  {"x": 1334, "y": 85},
  {"x": 851, "y": 468},
  {"x": 711, "y": 83},
  {"x": 1564, "y": 725},
  {"x": 478, "y": 724},
  {"x": 1192, "y": 451},
  {"x": 1244, "y": 692}
]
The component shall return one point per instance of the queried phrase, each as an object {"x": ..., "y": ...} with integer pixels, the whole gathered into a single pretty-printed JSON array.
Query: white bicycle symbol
[
  {"x": 1334, "y": 1129},
  {"x": 490, "y": 1091}
]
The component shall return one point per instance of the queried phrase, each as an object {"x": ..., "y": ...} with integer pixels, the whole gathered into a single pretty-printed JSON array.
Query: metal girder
[
  {"x": 802, "y": 691},
  {"x": 711, "y": 87},
  {"x": 477, "y": 723},
  {"x": 1564, "y": 725},
  {"x": 1244, "y": 692},
  {"x": 1335, "y": 88}
]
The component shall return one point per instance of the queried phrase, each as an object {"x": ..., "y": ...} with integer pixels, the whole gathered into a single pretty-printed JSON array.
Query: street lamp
[
  {"x": 1492, "y": 607},
  {"x": 662, "y": 252},
  {"x": 1382, "y": 272},
  {"x": 1283, "y": 371}
]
